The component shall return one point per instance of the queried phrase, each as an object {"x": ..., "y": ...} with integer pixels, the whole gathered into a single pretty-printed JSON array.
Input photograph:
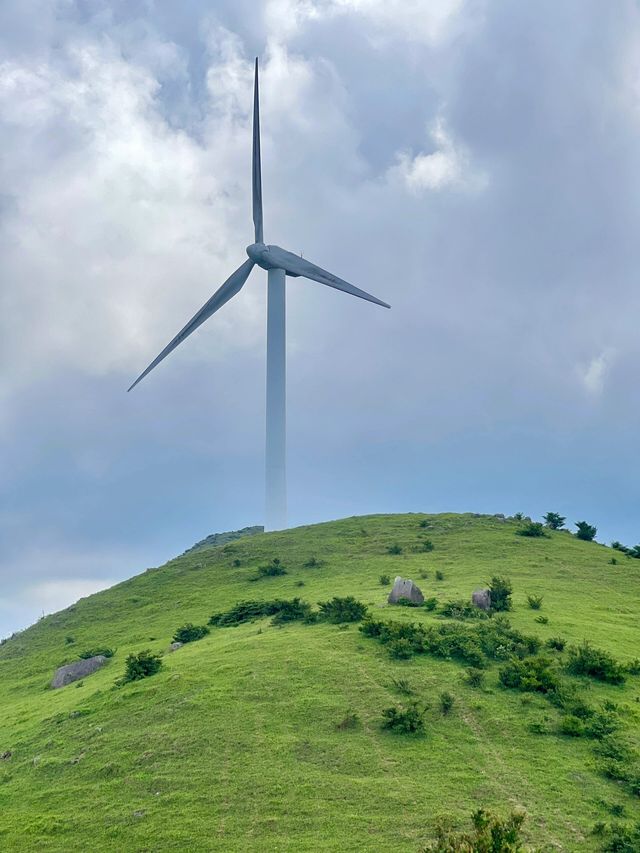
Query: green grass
[{"x": 234, "y": 744}]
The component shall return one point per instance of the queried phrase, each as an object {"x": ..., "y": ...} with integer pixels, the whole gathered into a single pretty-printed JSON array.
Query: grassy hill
[{"x": 234, "y": 744}]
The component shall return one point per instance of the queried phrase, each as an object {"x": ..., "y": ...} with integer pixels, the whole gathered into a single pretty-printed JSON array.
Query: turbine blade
[
  {"x": 296, "y": 266},
  {"x": 257, "y": 162},
  {"x": 229, "y": 289}
]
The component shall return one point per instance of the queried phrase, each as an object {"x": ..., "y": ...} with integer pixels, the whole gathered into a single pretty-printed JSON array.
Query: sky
[{"x": 472, "y": 162}]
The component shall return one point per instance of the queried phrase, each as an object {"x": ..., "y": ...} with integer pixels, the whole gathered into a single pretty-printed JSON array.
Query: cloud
[
  {"x": 447, "y": 166},
  {"x": 593, "y": 376}
]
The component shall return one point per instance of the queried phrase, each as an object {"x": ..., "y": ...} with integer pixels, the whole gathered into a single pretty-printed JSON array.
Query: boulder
[
  {"x": 175, "y": 646},
  {"x": 77, "y": 670},
  {"x": 481, "y": 598},
  {"x": 405, "y": 588}
]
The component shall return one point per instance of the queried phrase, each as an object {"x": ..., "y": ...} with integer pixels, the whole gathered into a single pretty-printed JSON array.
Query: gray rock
[
  {"x": 175, "y": 646},
  {"x": 77, "y": 670},
  {"x": 405, "y": 588},
  {"x": 482, "y": 598}
]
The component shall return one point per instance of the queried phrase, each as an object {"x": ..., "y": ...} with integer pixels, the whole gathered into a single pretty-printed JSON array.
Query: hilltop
[{"x": 263, "y": 737}]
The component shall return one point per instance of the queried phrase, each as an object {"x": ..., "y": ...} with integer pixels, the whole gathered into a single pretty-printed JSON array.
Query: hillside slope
[{"x": 234, "y": 744}]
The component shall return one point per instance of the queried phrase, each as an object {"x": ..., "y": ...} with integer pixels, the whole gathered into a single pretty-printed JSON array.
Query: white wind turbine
[{"x": 279, "y": 263}]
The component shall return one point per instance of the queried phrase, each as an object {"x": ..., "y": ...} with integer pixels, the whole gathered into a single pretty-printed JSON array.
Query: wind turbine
[{"x": 278, "y": 263}]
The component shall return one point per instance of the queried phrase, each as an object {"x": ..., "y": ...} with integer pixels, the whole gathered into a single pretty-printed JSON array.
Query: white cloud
[
  {"x": 594, "y": 374},
  {"x": 427, "y": 21},
  {"x": 447, "y": 166}
]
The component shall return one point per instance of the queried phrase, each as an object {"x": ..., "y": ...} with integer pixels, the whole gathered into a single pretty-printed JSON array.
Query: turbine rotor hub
[{"x": 259, "y": 254}]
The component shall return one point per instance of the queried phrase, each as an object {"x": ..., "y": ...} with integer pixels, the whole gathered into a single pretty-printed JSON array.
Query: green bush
[
  {"x": 294, "y": 610},
  {"x": 105, "y": 651},
  {"x": 339, "y": 610},
  {"x": 402, "y": 686},
  {"x": 141, "y": 665},
  {"x": 595, "y": 663},
  {"x": 248, "y": 611},
  {"x": 531, "y": 675},
  {"x": 622, "y": 838},
  {"x": 189, "y": 633},
  {"x": 474, "y": 677},
  {"x": 461, "y": 609},
  {"x": 634, "y": 552},
  {"x": 404, "y": 720},
  {"x": 618, "y": 546},
  {"x": 554, "y": 521},
  {"x": 430, "y": 603},
  {"x": 556, "y": 643},
  {"x": 534, "y": 601},
  {"x": 385, "y": 580},
  {"x": 542, "y": 620},
  {"x": 489, "y": 834},
  {"x": 439, "y": 575},
  {"x": 501, "y": 590},
  {"x": 427, "y": 546},
  {"x": 273, "y": 570},
  {"x": 533, "y": 530},
  {"x": 571, "y": 726},
  {"x": 394, "y": 549},
  {"x": 586, "y": 532},
  {"x": 424, "y": 522},
  {"x": 446, "y": 701},
  {"x": 401, "y": 649},
  {"x": 312, "y": 563}
]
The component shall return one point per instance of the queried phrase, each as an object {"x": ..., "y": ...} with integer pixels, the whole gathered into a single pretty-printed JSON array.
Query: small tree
[
  {"x": 407, "y": 720},
  {"x": 586, "y": 532},
  {"x": 500, "y": 589},
  {"x": 490, "y": 834},
  {"x": 554, "y": 520},
  {"x": 533, "y": 529},
  {"x": 189, "y": 633},
  {"x": 635, "y": 552},
  {"x": 140, "y": 666}
]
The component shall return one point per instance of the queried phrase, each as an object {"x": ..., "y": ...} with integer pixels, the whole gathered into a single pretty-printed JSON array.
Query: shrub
[
  {"x": 542, "y": 620},
  {"x": 446, "y": 701},
  {"x": 531, "y": 675},
  {"x": 635, "y": 552},
  {"x": 556, "y": 643},
  {"x": 439, "y": 575},
  {"x": 424, "y": 522},
  {"x": 105, "y": 651},
  {"x": 69, "y": 639},
  {"x": 518, "y": 516},
  {"x": 406, "y": 602},
  {"x": 500, "y": 589},
  {"x": 571, "y": 726},
  {"x": 338, "y": 610},
  {"x": 394, "y": 549},
  {"x": 596, "y": 663},
  {"x": 350, "y": 721},
  {"x": 248, "y": 611},
  {"x": 141, "y": 665},
  {"x": 633, "y": 667},
  {"x": 289, "y": 611},
  {"x": 404, "y": 720},
  {"x": 533, "y": 529},
  {"x": 474, "y": 677},
  {"x": 189, "y": 633},
  {"x": 622, "y": 838},
  {"x": 401, "y": 649},
  {"x": 534, "y": 601},
  {"x": 554, "y": 521},
  {"x": 237, "y": 563},
  {"x": 427, "y": 546},
  {"x": 613, "y": 562},
  {"x": 385, "y": 580},
  {"x": 489, "y": 834},
  {"x": 312, "y": 563},
  {"x": 586, "y": 532},
  {"x": 618, "y": 546},
  {"x": 273, "y": 570},
  {"x": 461, "y": 609},
  {"x": 402, "y": 686},
  {"x": 430, "y": 603}
]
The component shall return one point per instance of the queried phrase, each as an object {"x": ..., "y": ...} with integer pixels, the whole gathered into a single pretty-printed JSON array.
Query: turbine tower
[{"x": 278, "y": 263}]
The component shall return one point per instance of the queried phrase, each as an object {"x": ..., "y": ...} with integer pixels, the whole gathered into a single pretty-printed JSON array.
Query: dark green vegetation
[
  {"x": 268, "y": 733},
  {"x": 489, "y": 834}
]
